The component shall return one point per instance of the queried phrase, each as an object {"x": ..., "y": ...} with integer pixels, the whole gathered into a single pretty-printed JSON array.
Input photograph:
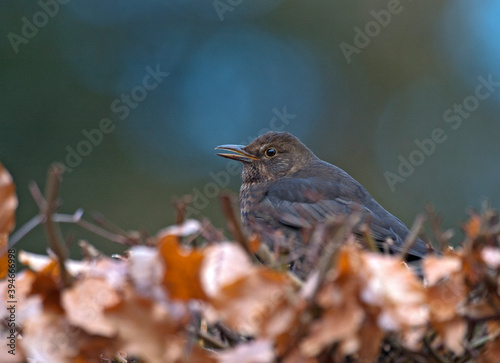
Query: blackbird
[{"x": 286, "y": 189}]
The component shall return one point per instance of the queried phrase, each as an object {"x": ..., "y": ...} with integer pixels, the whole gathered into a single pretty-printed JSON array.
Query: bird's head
[{"x": 270, "y": 156}]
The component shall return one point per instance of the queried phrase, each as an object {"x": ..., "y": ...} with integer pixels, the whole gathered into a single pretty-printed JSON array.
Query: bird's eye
[{"x": 271, "y": 152}]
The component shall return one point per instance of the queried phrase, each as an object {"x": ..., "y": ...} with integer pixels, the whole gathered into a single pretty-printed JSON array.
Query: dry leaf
[
  {"x": 38, "y": 263},
  {"x": 452, "y": 332},
  {"x": 339, "y": 323},
  {"x": 4, "y": 258},
  {"x": 394, "y": 289},
  {"x": 50, "y": 338},
  {"x": 85, "y": 302},
  {"x": 436, "y": 268},
  {"x": 182, "y": 269},
  {"x": 8, "y": 201},
  {"x": 149, "y": 330},
  {"x": 473, "y": 226},
  {"x": 28, "y": 307},
  {"x": 189, "y": 227},
  {"x": 223, "y": 264},
  {"x": 447, "y": 292},
  {"x": 343, "y": 313},
  {"x": 8, "y": 205},
  {"x": 11, "y": 343},
  {"x": 146, "y": 270},
  {"x": 257, "y": 351},
  {"x": 491, "y": 353},
  {"x": 245, "y": 303},
  {"x": 491, "y": 256}
]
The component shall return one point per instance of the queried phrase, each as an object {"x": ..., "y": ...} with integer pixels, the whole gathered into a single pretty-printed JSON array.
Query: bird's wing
[{"x": 302, "y": 203}]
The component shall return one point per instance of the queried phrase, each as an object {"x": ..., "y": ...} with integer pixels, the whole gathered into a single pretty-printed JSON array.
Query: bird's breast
[{"x": 251, "y": 194}]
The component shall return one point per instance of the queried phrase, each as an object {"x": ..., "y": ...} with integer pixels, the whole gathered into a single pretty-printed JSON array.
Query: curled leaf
[{"x": 8, "y": 205}]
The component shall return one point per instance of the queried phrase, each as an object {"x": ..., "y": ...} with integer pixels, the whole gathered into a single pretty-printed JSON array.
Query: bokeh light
[{"x": 230, "y": 72}]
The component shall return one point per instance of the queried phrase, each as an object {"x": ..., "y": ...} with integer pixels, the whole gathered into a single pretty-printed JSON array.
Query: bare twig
[
  {"x": 266, "y": 256},
  {"x": 480, "y": 319},
  {"x": 76, "y": 218},
  {"x": 106, "y": 223},
  {"x": 208, "y": 338},
  {"x": 233, "y": 223},
  {"x": 120, "y": 236},
  {"x": 54, "y": 235},
  {"x": 295, "y": 280},
  {"x": 441, "y": 237},
  {"x": 37, "y": 195},
  {"x": 481, "y": 341},
  {"x": 89, "y": 251},
  {"x": 368, "y": 238},
  {"x": 412, "y": 236},
  {"x": 25, "y": 229},
  {"x": 180, "y": 205},
  {"x": 231, "y": 336},
  {"x": 434, "y": 353},
  {"x": 68, "y": 218},
  {"x": 103, "y": 233},
  {"x": 120, "y": 359},
  {"x": 209, "y": 232},
  {"x": 334, "y": 242}
]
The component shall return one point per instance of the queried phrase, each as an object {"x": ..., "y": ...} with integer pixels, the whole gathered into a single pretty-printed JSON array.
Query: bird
[{"x": 287, "y": 190}]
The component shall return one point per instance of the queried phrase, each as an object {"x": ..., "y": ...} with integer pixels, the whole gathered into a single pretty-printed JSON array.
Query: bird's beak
[{"x": 238, "y": 153}]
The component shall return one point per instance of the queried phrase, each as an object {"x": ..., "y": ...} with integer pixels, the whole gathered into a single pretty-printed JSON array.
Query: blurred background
[{"x": 133, "y": 96}]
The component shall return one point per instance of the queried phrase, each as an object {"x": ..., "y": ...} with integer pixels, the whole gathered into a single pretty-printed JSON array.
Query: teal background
[{"x": 231, "y": 66}]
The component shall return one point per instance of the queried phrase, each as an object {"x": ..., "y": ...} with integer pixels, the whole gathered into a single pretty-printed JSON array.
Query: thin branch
[
  {"x": 229, "y": 335},
  {"x": 412, "y": 236},
  {"x": 103, "y": 233},
  {"x": 442, "y": 238},
  {"x": 37, "y": 195},
  {"x": 120, "y": 359},
  {"x": 25, "y": 229},
  {"x": 295, "y": 280},
  {"x": 434, "y": 353},
  {"x": 89, "y": 251},
  {"x": 481, "y": 341},
  {"x": 106, "y": 223},
  {"x": 180, "y": 205},
  {"x": 233, "y": 222},
  {"x": 345, "y": 227},
  {"x": 209, "y": 232},
  {"x": 334, "y": 242},
  {"x": 76, "y": 218},
  {"x": 68, "y": 218},
  {"x": 266, "y": 256},
  {"x": 368, "y": 238},
  {"x": 54, "y": 235},
  {"x": 208, "y": 338},
  {"x": 480, "y": 319}
]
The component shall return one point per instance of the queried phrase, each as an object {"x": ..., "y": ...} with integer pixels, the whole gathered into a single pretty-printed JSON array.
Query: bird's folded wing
[
  {"x": 304, "y": 205},
  {"x": 306, "y": 215}
]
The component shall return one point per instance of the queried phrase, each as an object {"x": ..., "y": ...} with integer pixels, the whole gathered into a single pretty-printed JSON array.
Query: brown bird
[{"x": 286, "y": 189}]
